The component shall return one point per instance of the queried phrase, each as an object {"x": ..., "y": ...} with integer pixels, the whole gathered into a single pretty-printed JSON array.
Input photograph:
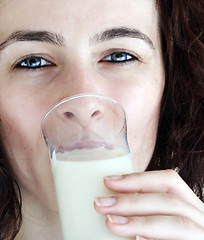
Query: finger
[
  {"x": 167, "y": 181},
  {"x": 155, "y": 227},
  {"x": 148, "y": 204}
]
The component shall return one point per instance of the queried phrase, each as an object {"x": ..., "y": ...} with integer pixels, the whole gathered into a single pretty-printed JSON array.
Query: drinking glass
[{"x": 87, "y": 141}]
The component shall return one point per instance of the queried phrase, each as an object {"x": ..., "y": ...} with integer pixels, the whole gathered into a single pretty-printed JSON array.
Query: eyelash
[
  {"x": 121, "y": 57},
  {"x": 117, "y": 57},
  {"x": 39, "y": 62}
]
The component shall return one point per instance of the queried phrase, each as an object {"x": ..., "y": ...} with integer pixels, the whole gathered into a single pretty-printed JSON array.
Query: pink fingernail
[
  {"x": 114, "y": 177},
  {"x": 118, "y": 219},
  {"x": 105, "y": 201}
]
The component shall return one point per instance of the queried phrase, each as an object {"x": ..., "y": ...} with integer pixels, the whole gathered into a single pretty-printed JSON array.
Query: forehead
[{"x": 77, "y": 16}]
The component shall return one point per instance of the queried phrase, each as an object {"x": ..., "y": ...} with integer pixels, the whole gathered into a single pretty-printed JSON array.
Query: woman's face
[{"x": 54, "y": 49}]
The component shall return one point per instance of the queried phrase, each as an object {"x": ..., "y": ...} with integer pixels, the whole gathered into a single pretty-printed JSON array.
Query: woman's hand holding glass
[{"x": 152, "y": 205}]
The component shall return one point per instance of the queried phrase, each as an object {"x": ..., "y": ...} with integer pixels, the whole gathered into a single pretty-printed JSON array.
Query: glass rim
[{"x": 80, "y": 95}]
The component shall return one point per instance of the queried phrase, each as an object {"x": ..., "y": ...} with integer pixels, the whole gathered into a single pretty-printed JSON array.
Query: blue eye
[
  {"x": 119, "y": 57},
  {"x": 33, "y": 62}
]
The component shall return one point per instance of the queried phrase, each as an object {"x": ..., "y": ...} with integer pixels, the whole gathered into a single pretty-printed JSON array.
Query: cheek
[
  {"x": 22, "y": 114},
  {"x": 25, "y": 147},
  {"x": 20, "y": 130},
  {"x": 142, "y": 131},
  {"x": 142, "y": 106}
]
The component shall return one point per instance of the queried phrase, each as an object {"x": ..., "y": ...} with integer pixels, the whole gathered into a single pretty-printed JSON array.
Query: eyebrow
[
  {"x": 38, "y": 36},
  {"x": 57, "y": 39},
  {"x": 121, "y": 33}
]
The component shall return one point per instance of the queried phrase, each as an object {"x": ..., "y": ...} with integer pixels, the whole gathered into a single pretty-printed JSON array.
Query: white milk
[{"x": 78, "y": 180}]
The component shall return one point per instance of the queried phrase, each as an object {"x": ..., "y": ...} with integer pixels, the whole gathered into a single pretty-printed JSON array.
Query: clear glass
[{"x": 87, "y": 140}]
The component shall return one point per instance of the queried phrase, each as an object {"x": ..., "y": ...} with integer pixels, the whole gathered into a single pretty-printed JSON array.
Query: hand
[{"x": 153, "y": 205}]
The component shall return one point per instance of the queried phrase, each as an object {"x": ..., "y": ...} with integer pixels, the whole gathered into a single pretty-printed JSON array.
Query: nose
[{"x": 83, "y": 111}]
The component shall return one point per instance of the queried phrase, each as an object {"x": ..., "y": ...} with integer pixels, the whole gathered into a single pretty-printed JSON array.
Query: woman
[{"x": 147, "y": 55}]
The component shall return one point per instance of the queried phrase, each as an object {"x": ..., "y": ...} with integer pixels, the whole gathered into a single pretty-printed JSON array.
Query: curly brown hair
[
  {"x": 10, "y": 202},
  {"x": 180, "y": 140}
]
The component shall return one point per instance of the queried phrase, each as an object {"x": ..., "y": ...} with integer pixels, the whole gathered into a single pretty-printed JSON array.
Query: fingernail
[
  {"x": 118, "y": 219},
  {"x": 105, "y": 201},
  {"x": 114, "y": 177}
]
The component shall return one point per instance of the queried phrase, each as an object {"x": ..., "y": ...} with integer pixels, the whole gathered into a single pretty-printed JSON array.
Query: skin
[{"x": 80, "y": 63}]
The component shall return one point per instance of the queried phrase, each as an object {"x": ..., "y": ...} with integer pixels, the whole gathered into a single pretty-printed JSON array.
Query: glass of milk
[{"x": 87, "y": 141}]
